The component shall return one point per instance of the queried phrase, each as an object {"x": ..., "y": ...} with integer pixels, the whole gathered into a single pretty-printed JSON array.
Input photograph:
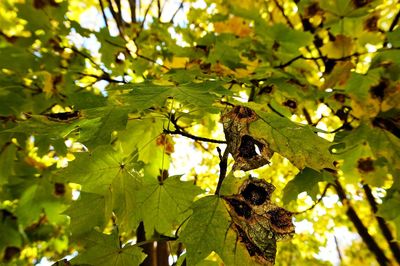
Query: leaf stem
[{"x": 223, "y": 165}]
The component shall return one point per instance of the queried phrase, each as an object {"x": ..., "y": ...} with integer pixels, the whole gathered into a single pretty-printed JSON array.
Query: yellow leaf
[
  {"x": 235, "y": 25},
  {"x": 341, "y": 47},
  {"x": 177, "y": 62}
]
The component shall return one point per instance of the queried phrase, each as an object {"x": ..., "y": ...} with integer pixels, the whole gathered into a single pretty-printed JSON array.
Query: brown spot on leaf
[
  {"x": 378, "y": 91},
  {"x": 291, "y": 104},
  {"x": 256, "y": 193},
  {"x": 166, "y": 142},
  {"x": 243, "y": 112},
  {"x": 241, "y": 208},
  {"x": 59, "y": 189},
  {"x": 371, "y": 24},
  {"x": 365, "y": 165},
  {"x": 340, "y": 97},
  {"x": 40, "y": 4},
  {"x": 360, "y": 3},
  {"x": 10, "y": 253},
  {"x": 267, "y": 89},
  {"x": 164, "y": 174},
  {"x": 312, "y": 10},
  {"x": 64, "y": 116},
  {"x": 248, "y": 146},
  {"x": 281, "y": 221}
]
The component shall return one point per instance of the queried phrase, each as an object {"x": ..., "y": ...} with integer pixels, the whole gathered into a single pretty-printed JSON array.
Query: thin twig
[
  {"x": 188, "y": 135},
  {"x": 145, "y": 16},
  {"x": 116, "y": 17},
  {"x": 158, "y": 9},
  {"x": 103, "y": 13},
  {"x": 395, "y": 21},
  {"x": 86, "y": 56},
  {"x": 292, "y": 26},
  {"x": 105, "y": 77},
  {"x": 152, "y": 60},
  {"x": 317, "y": 202},
  {"x": 176, "y": 12},
  {"x": 180, "y": 131},
  {"x": 338, "y": 249}
]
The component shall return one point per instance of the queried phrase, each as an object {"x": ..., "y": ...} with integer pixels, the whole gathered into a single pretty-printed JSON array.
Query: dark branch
[
  {"x": 103, "y": 13},
  {"x": 176, "y": 12},
  {"x": 132, "y": 7},
  {"x": 179, "y": 131},
  {"x": 145, "y": 16},
  {"x": 395, "y": 21},
  {"x": 115, "y": 16},
  {"x": 360, "y": 227},
  {"x": 394, "y": 247},
  {"x": 105, "y": 77},
  {"x": 283, "y": 14},
  {"x": 152, "y": 60},
  {"x": 86, "y": 56}
]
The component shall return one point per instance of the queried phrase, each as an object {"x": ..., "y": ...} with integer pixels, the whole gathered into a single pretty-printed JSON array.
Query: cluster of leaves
[{"x": 90, "y": 95}]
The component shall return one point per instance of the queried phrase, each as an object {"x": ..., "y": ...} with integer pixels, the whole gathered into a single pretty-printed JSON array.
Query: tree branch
[
  {"x": 116, "y": 17},
  {"x": 179, "y": 131},
  {"x": 395, "y": 21},
  {"x": 132, "y": 7},
  {"x": 103, "y": 13},
  {"x": 176, "y": 12},
  {"x": 360, "y": 227},
  {"x": 383, "y": 226}
]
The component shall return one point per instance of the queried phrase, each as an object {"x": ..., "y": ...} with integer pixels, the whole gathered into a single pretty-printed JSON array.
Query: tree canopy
[{"x": 199, "y": 132}]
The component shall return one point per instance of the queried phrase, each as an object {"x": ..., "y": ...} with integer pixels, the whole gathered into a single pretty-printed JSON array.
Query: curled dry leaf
[
  {"x": 257, "y": 222},
  {"x": 248, "y": 152}
]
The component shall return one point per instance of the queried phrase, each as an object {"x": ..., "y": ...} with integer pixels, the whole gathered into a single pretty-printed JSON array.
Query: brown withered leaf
[
  {"x": 257, "y": 222},
  {"x": 248, "y": 152}
]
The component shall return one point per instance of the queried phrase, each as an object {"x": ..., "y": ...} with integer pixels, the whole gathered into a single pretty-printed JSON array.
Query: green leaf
[
  {"x": 106, "y": 120},
  {"x": 206, "y": 230},
  {"x": 9, "y": 235},
  {"x": 390, "y": 206},
  {"x": 289, "y": 40},
  {"x": 307, "y": 180},
  {"x": 97, "y": 170},
  {"x": 191, "y": 95},
  {"x": 7, "y": 158},
  {"x": 385, "y": 145},
  {"x": 141, "y": 135},
  {"x": 38, "y": 199},
  {"x": 234, "y": 252},
  {"x": 86, "y": 213},
  {"x": 338, "y": 7},
  {"x": 105, "y": 250},
  {"x": 166, "y": 205},
  {"x": 298, "y": 143},
  {"x": 16, "y": 58},
  {"x": 358, "y": 85},
  {"x": 125, "y": 200},
  {"x": 394, "y": 37}
]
